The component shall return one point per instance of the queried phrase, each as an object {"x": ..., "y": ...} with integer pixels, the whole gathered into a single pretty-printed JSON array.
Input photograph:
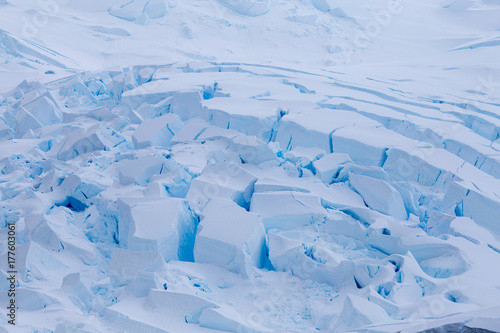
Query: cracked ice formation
[
  {"x": 226, "y": 180},
  {"x": 379, "y": 195},
  {"x": 162, "y": 225},
  {"x": 156, "y": 131},
  {"x": 162, "y": 195},
  {"x": 230, "y": 237},
  {"x": 287, "y": 209}
]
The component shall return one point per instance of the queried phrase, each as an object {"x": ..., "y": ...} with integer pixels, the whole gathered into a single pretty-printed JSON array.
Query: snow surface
[{"x": 251, "y": 165}]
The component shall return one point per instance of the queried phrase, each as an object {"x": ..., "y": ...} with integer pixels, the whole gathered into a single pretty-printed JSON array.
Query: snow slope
[{"x": 251, "y": 166}]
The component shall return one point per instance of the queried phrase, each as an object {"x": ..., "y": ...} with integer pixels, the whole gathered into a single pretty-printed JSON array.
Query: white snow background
[{"x": 251, "y": 165}]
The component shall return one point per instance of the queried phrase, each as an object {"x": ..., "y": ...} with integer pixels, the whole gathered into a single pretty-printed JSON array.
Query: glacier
[{"x": 250, "y": 166}]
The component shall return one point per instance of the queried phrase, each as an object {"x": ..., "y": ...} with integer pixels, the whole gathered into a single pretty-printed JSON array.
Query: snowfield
[{"x": 250, "y": 166}]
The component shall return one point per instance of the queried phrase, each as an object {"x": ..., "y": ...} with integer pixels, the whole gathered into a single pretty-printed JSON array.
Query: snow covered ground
[{"x": 251, "y": 165}]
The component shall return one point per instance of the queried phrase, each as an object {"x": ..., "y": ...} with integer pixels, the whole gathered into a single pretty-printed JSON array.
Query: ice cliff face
[{"x": 257, "y": 194}]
